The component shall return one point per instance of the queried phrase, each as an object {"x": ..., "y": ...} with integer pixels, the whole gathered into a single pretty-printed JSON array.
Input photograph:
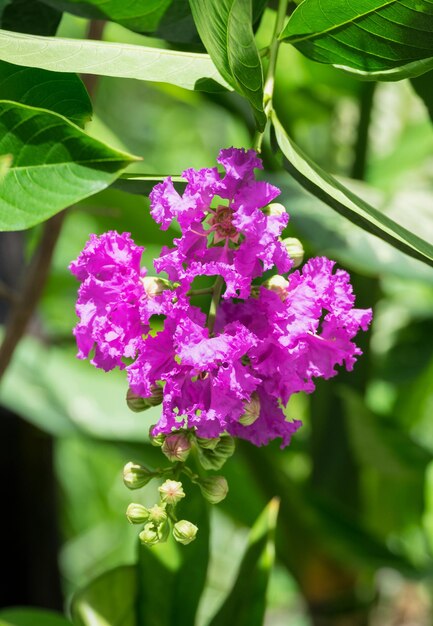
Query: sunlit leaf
[
  {"x": 54, "y": 165},
  {"x": 337, "y": 196},
  {"x": 55, "y": 91},
  {"x": 185, "y": 69},
  {"x": 369, "y": 35},
  {"x": 225, "y": 27}
]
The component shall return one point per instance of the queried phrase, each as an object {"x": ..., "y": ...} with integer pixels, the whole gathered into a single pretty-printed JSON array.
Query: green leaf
[
  {"x": 171, "y": 577},
  {"x": 337, "y": 196},
  {"x": 185, "y": 69},
  {"x": 58, "y": 92},
  {"x": 108, "y": 600},
  {"x": 141, "y": 16},
  {"x": 29, "y": 16},
  {"x": 368, "y": 35},
  {"x": 31, "y": 617},
  {"x": 246, "y": 603},
  {"x": 55, "y": 164},
  {"x": 225, "y": 27},
  {"x": 410, "y": 70},
  {"x": 143, "y": 184}
]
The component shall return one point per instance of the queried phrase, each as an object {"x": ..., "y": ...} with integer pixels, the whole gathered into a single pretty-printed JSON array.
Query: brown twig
[
  {"x": 31, "y": 291},
  {"x": 7, "y": 293}
]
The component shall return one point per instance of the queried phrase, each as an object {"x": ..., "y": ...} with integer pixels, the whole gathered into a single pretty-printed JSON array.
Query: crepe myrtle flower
[{"x": 230, "y": 372}]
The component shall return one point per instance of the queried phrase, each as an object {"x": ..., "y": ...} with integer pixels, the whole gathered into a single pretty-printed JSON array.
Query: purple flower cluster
[{"x": 235, "y": 370}]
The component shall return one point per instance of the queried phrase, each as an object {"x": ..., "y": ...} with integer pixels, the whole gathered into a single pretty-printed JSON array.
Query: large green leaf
[
  {"x": 108, "y": 601},
  {"x": 141, "y": 16},
  {"x": 185, "y": 69},
  {"x": 225, "y": 27},
  {"x": 31, "y": 617},
  {"x": 369, "y": 35},
  {"x": 55, "y": 91},
  {"x": 29, "y": 16},
  {"x": 337, "y": 196},
  {"x": 55, "y": 164},
  {"x": 246, "y": 603},
  {"x": 410, "y": 70}
]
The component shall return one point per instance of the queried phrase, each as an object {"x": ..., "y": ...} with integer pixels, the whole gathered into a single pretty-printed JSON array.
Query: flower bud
[
  {"x": 277, "y": 284},
  {"x": 171, "y": 492},
  {"x": 157, "y": 514},
  {"x": 251, "y": 410},
  {"x": 137, "y": 404},
  {"x": 215, "y": 459},
  {"x": 176, "y": 447},
  {"x": 156, "y": 440},
  {"x": 184, "y": 532},
  {"x": 137, "y": 513},
  {"x": 149, "y": 535},
  {"x": 213, "y": 488},
  {"x": 154, "y": 286},
  {"x": 209, "y": 444},
  {"x": 136, "y": 475},
  {"x": 295, "y": 250},
  {"x": 275, "y": 208}
]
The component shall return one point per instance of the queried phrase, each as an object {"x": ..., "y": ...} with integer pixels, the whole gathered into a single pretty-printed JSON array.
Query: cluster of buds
[{"x": 159, "y": 519}]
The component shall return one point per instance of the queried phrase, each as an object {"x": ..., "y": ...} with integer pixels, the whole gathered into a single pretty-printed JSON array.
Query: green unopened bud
[
  {"x": 136, "y": 475},
  {"x": 213, "y": 488},
  {"x": 251, "y": 410},
  {"x": 137, "y": 513},
  {"x": 154, "y": 286},
  {"x": 171, "y": 492},
  {"x": 215, "y": 459},
  {"x": 176, "y": 447},
  {"x": 275, "y": 208},
  {"x": 295, "y": 250},
  {"x": 156, "y": 440},
  {"x": 137, "y": 404},
  {"x": 157, "y": 514},
  {"x": 149, "y": 535},
  {"x": 277, "y": 284},
  {"x": 208, "y": 444},
  {"x": 184, "y": 532}
]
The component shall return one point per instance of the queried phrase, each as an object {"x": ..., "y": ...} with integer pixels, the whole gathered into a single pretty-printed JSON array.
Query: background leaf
[
  {"x": 139, "y": 16},
  {"x": 245, "y": 605},
  {"x": 42, "y": 181},
  {"x": 225, "y": 27},
  {"x": 31, "y": 617},
  {"x": 55, "y": 91},
  {"x": 29, "y": 16},
  {"x": 368, "y": 35},
  {"x": 108, "y": 601},
  {"x": 185, "y": 69},
  {"x": 342, "y": 200}
]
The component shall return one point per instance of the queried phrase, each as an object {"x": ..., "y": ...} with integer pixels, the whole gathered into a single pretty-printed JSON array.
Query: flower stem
[
  {"x": 200, "y": 292},
  {"x": 268, "y": 90},
  {"x": 217, "y": 289}
]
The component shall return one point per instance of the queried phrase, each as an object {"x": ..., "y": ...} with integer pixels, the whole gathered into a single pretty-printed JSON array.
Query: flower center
[{"x": 222, "y": 225}]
